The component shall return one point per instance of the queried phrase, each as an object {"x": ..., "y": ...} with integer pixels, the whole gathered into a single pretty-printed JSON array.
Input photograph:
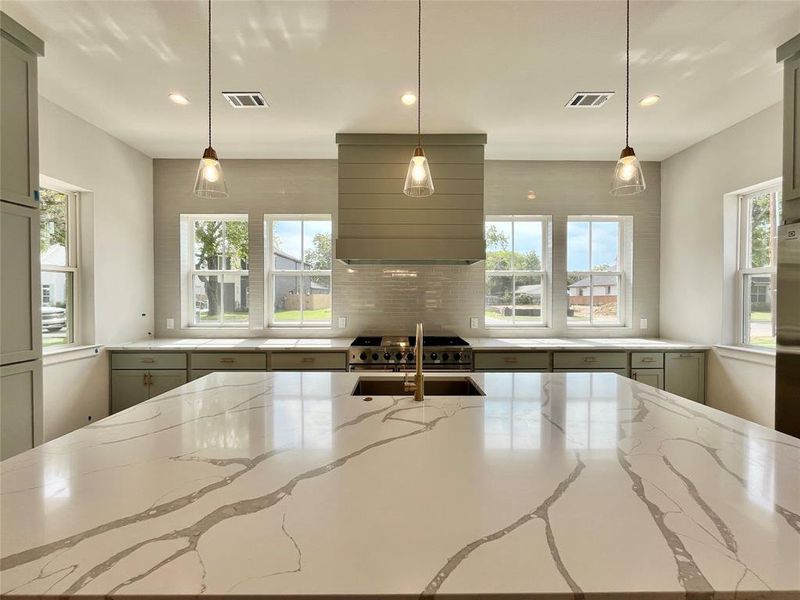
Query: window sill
[
  {"x": 299, "y": 327},
  {"x": 54, "y": 356},
  {"x": 761, "y": 356}
]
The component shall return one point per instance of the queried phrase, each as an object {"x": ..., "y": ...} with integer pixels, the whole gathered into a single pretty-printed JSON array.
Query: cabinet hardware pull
[
  {"x": 682, "y": 355},
  {"x": 308, "y": 359},
  {"x": 589, "y": 359},
  {"x": 148, "y": 360},
  {"x": 511, "y": 359},
  {"x": 648, "y": 359},
  {"x": 226, "y": 360}
]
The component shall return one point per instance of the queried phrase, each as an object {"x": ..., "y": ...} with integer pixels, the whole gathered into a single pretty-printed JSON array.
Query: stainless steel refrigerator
[{"x": 787, "y": 364}]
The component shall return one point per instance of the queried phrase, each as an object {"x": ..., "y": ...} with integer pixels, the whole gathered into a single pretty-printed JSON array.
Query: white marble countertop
[
  {"x": 650, "y": 344},
  {"x": 482, "y": 343},
  {"x": 233, "y": 344},
  {"x": 284, "y": 485}
]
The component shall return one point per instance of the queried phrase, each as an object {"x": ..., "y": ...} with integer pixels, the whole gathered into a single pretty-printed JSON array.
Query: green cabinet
[
  {"x": 653, "y": 377},
  {"x": 130, "y": 387},
  {"x": 20, "y": 407},
  {"x": 684, "y": 374}
]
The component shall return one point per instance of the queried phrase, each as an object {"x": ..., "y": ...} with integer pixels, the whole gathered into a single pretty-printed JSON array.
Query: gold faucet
[{"x": 418, "y": 385}]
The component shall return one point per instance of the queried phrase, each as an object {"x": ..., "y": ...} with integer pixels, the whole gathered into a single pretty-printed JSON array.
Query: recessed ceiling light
[
  {"x": 649, "y": 100},
  {"x": 531, "y": 195},
  {"x": 179, "y": 98},
  {"x": 408, "y": 99}
]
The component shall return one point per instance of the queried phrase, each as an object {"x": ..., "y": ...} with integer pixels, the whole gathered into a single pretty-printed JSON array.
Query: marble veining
[{"x": 554, "y": 485}]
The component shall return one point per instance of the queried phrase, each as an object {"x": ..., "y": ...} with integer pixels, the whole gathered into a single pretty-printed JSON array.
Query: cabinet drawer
[
  {"x": 306, "y": 361},
  {"x": 588, "y": 372},
  {"x": 148, "y": 360},
  {"x": 514, "y": 361},
  {"x": 590, "y": 360},
  {"x": 647, "y": 360},
  {"x": 229, "y": 361}
]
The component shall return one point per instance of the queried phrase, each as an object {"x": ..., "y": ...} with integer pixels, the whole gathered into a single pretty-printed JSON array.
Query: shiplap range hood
[{"x": 378, "y": 224}]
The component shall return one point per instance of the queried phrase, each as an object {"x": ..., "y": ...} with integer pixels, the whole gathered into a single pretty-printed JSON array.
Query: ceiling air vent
[
  {"x": 245, "y": 99},
  {"x": 589, "y": 99}
]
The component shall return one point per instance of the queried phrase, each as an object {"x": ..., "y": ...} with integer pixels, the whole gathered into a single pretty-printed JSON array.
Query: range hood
[{"x": 379, "y": 225}]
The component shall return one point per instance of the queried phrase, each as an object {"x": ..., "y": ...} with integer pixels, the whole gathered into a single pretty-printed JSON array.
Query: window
[
  {"x": 219, "y": 279},
  {"x": 299, "y": 270},
  {"x": 58, "y": 248},
  {"x": 595, "y": 271},
  {"x": 759, "y": 216},
  {"x": 517, "y": 255}
]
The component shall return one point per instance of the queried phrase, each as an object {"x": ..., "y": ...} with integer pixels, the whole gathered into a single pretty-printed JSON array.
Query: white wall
[
  {"x": 696, "y": 291},
  {"x": 118, "y": 244}
]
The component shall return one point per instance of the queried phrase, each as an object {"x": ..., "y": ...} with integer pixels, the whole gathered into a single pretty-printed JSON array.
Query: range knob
[
  {"x": 363, "y": 356},
  {"x": 410, "y": 356},
  {"x": 399, "y": 356},
  {"x": 386, "y": 356},
  {"x": 434, "y": 356},
  {"x": 457, "y": 356},
  {"x": 445, "y": 356},
  {"x": 374, "y": 356}
]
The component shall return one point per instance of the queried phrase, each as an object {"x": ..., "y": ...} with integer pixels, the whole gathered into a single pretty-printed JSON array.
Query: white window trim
[
  {"x": 271, "y": 272},
  {"x": 220, "y": 273},
  {"x": 743, "y": 251},
  {"x": 72, "y": 266},
  {"x": 544, "y": 273},
  {"x": 621, "y": 272}
]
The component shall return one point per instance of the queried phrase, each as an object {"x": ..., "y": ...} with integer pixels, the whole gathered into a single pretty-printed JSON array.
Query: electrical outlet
[
  {"x": 643, "y": 323},
  {"x": 342, "y": 322},
  {"x": 170, "y": 323},
  {"x": 473, "y": 323}
]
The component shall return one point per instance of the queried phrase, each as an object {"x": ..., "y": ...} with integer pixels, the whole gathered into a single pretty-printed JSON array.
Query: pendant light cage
[
  {"x": 628, "y": 176},
  {"x": 209, "y": 182},
  {"x": 419, "y": 183}
]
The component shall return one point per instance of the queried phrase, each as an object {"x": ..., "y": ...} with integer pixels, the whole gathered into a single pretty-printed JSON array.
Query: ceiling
[{"x": 503, "y": 68}]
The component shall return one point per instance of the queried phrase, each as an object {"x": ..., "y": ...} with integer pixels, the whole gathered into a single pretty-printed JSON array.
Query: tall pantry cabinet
[{"x": 21, "y": 423}]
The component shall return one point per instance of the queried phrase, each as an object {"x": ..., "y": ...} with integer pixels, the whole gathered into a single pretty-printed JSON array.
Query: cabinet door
[
  {"x": 791, "y": 137},
  {"x": 684, "y": 374},
  {"x": 654, "y": 377},
  {"x": 164, "y": 381},
  {"x": 19, "y": 169},
  {"x": 20, "y": 293},
  {"x": 128, "y": 388},
  {"x": 20, "y": 407}
]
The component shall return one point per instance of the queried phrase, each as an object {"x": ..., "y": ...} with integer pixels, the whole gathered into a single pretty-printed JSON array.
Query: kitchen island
[{"x": 552, "y": 485}]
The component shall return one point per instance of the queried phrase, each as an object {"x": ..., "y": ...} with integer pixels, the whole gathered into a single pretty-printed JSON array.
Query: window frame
[
  {"x": 544, "y": 272},
  {"x": 743, "y": 301},
  {"x": 270, "y": 272},
  {"x": 71, "y": 269},
  {"x": 219, "y": 273},
  {"x": 621, "y": 272}
]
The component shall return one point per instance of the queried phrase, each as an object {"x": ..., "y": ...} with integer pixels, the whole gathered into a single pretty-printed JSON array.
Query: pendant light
[
  {"x": 210, "y": 182},
  {"x": 418, "y": 179},
  {"x": 628, "y": 176}
]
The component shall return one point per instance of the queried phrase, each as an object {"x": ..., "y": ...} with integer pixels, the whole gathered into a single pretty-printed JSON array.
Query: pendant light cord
[
  {"x": 627, "y": 68},
  {"x": 209, "y": 73},
  {"x": 419, "y": 73}
]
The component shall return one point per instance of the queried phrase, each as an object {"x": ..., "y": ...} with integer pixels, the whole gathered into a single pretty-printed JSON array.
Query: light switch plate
[
  {"x": 170, "y": 323},
  {"x": 643, "y": 323},
  {"x": 342, "y": 322},
  {"x": 473, "y": 323}
]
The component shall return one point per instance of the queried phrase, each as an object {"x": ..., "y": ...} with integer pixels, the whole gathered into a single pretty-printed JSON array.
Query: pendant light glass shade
[
  {"x": 418, "y": 179},
  {"x": 628, "y": 176},
  {"x": 210, "y": 181}
]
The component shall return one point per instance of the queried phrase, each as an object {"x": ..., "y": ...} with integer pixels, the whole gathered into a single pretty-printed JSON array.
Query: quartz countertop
[
  {"x": 478, "y": 343},
  {"x": 285, "y": 485}
]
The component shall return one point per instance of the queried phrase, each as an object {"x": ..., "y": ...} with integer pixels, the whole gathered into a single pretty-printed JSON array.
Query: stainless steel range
[{"x": 396, "y": 353}]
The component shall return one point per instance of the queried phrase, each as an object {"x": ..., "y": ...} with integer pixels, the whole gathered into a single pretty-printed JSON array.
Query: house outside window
[
  {"x": 759, "y": 217},
  {"x": 298, "y": 265},
  {"x": 219, "y": 279},
  {"x": 58, "y": 248},
  {"x": 517, "y": 271},
  {"x": 595, "y": 271}
]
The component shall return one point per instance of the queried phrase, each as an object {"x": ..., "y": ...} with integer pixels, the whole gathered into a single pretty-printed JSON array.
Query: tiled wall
[{"x": 392, "y": 299}]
